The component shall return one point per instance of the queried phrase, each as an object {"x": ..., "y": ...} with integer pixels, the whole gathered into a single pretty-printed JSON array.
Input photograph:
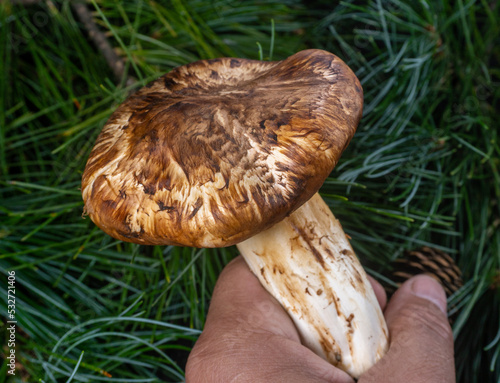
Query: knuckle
[
  {"x": 204, "y": 357},
  {"x": 200, "y": 364},
  {"x": 423, "y": 318}
]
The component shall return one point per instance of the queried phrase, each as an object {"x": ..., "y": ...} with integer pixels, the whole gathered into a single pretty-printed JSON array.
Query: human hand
[{"x": 248, "y": 337}]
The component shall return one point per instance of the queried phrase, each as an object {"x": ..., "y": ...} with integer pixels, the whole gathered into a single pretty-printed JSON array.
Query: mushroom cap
[{"x": 218, "y": 150}]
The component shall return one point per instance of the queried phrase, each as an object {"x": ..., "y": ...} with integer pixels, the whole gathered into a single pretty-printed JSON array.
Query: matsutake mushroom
[{"x": 233, "y": 151}]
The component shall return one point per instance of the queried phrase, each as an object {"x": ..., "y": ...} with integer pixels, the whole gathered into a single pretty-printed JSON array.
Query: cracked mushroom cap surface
[{"x": 218, "y": 150}]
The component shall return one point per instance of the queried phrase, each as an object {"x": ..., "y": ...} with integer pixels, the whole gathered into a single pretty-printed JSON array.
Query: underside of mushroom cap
[{"x": 218, "y": 150}]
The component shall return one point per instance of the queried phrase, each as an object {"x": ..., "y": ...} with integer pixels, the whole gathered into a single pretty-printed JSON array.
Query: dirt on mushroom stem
[{"x": 306, "y": 262}]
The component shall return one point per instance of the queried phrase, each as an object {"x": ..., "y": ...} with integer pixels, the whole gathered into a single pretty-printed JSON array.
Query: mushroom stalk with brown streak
[
  {"x": 233, "y": 151},
  {"x": 306, "y": 262}
]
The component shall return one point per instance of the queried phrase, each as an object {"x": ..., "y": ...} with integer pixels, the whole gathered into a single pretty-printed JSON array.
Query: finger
[
  {"x": 239, "y": 294},
  {"x": 239, "y": 290},
  {"x": 248, "y": 337},
  {"x": 379, "y": 292},
  {"x": 421, "y": 347}
]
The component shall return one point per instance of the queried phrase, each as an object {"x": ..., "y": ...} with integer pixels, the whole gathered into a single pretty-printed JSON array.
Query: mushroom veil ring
[{"x": 233, "y": 151}]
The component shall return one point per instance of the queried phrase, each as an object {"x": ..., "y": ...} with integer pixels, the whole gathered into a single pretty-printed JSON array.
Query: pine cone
[{"x": 430, "y": 261}]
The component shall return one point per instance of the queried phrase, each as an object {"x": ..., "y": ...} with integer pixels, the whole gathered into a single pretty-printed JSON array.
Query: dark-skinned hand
[{"x": 248, "y": 337}]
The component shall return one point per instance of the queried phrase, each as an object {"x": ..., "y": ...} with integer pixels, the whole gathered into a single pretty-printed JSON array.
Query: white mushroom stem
[{"x": 308, "y": 265}]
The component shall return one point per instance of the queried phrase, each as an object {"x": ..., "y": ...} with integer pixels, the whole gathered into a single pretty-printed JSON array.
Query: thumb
[{"x": 421, "y": 340}]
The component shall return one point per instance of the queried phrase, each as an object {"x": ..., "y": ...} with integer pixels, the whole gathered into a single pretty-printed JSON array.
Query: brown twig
[
  {"x": 25, "y": 2},
  {"x": 115, "y": 62}
]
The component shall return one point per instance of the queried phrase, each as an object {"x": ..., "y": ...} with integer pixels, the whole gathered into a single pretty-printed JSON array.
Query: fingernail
[{"x": 428, "y": 288}]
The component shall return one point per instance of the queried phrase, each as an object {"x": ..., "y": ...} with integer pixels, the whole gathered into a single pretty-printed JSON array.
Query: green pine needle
[{"x": 423, "y": 168}]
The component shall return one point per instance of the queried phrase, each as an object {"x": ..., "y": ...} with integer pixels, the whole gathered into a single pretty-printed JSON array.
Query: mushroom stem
[{"x": 308, "y": 265}]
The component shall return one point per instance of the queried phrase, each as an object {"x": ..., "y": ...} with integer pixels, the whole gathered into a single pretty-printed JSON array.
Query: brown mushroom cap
[{"x": 218, "y": 150}]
